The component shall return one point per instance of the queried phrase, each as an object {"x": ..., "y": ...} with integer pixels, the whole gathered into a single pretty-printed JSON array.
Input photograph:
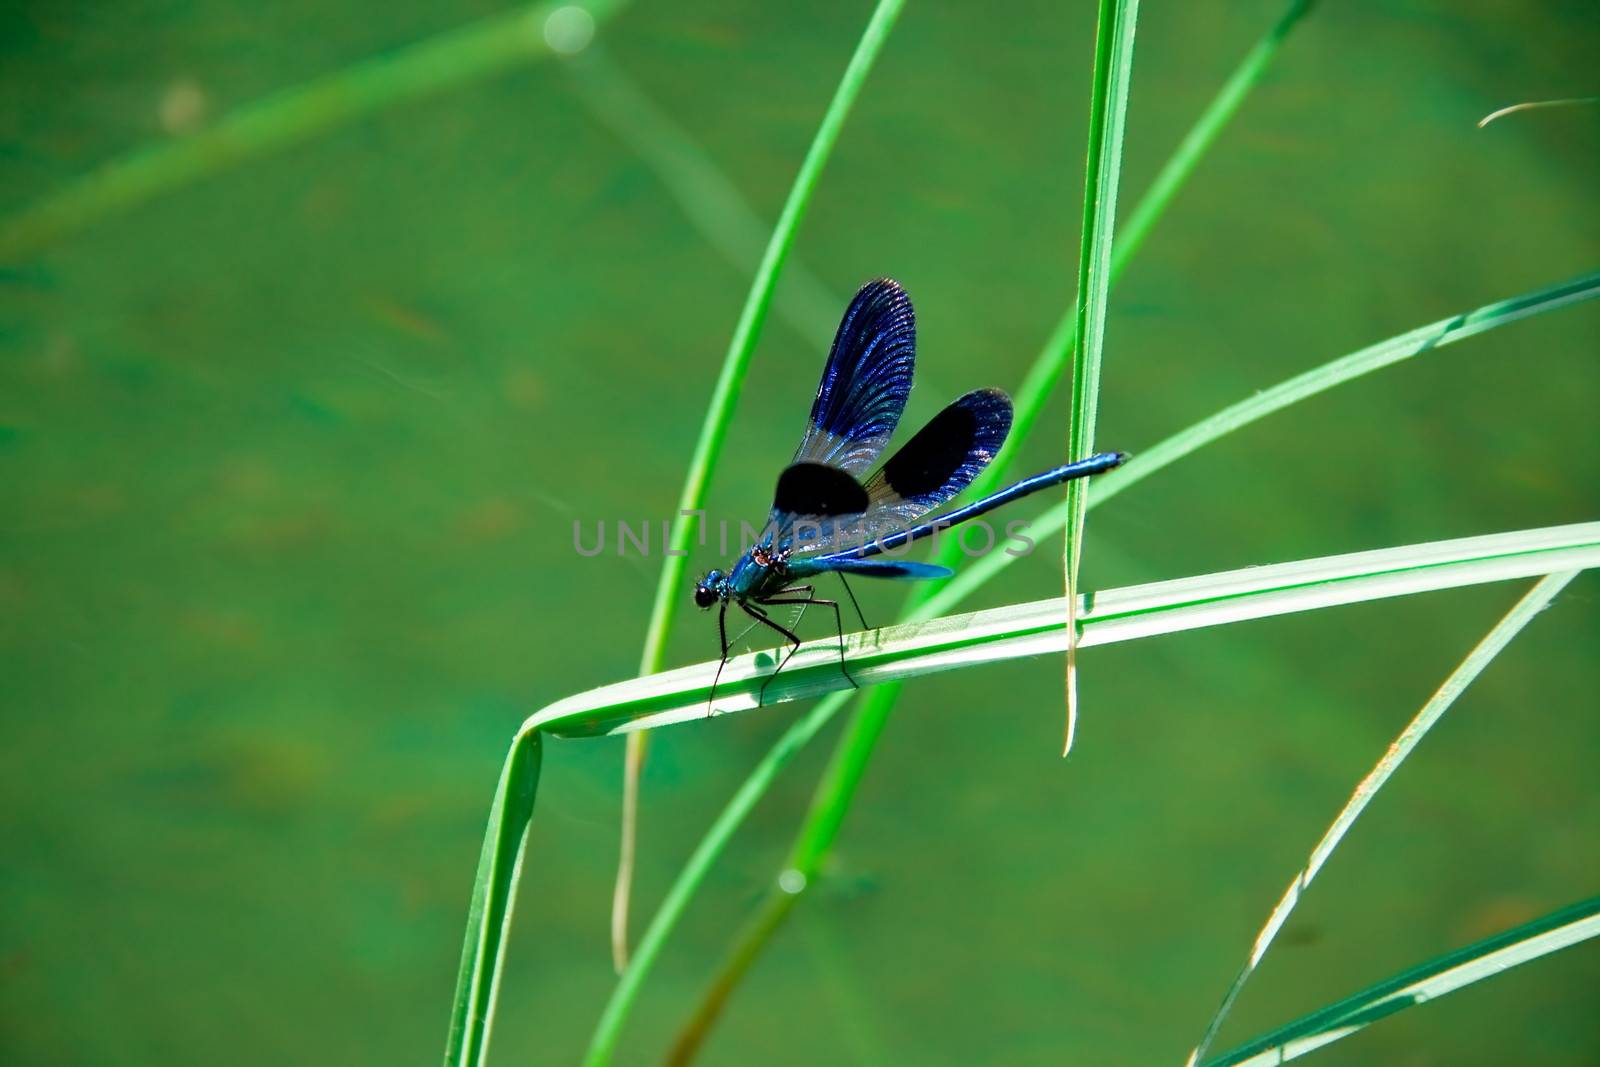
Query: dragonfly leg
[
  {"x": 727, "y": 650},
  {"x": 803, "y": 595},
  {"x": 722, "y": 633},
  {"x": 767, "y": 620},
  {"x": 838, "y": 622},
  {"x": 865, "y": 625}
]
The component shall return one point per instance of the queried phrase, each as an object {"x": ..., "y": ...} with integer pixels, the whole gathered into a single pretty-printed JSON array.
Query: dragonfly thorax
[
  {"x": 759, "y": 572},
  {"x": 762, "y": 556}
]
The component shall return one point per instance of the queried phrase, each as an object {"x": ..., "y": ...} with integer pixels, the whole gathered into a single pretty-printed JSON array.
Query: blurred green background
[{"x": 289, "y": 460}]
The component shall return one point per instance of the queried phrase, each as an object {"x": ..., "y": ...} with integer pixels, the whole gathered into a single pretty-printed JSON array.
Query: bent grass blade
[
  {"x": 1039, "y": 627},
  {"x": 1494, "y": 642},
  {"x": 944, "y": 644},
  {"x": 1429, "y": 981},
  {"x": 719, "y": 414},
  {"x": 1164, "y": 453},
  {"x": 856, "y": 746},
  {"x": 1108, "y": 114},
  {"x": 493, "y": 895}
]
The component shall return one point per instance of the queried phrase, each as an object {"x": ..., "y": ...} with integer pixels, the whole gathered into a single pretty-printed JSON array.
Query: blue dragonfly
[{"x": 826, "y": 519}]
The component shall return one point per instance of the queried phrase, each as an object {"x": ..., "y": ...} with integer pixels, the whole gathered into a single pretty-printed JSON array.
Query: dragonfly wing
[
  {"x": 858, "y": 405},
  {"x": 928, "y": 470},
  {"x": 871, "y": 568},
  {"x": 866, "y": 381},
  {"x": 811, "y": 498},
  {"x": 816, "y": 490},
  {"x": 944, "y": 457}
]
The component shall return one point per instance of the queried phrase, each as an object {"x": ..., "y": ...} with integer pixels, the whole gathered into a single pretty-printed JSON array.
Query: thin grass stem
[
  {"x": 910, "y": 650},
  {"x": 719, "y": 413},
  {"x": 881, "y": 657},
  {"x": 1236, "y": 416},
  {"x": 855, "y": 747},
  {"x": 293, "y": 115},
  {"x": 1535, "y": 105},
  {"x": 1493, "y": 643},
  {"x": 494, "y": 894},
  {"x": 1108, "y": 112},
  {"x": 1419, "y": 985}
]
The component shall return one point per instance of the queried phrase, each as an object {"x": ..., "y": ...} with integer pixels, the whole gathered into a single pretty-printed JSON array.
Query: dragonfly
[{"x": 829, "y": 516}]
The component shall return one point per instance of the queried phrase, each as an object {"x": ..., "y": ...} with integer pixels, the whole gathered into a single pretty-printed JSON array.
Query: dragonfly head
[{"x": 708, "y": 590}]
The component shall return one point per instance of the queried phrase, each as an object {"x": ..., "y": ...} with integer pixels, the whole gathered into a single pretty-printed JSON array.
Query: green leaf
[
  {"x": 1522, "y": 613},
  {"x": 1053, "y": 359},
  {"x": 608, "y": 1030},
  {"x": 719, "y": 413},
  {"x": 1535, "y": 105},
  {"x": 493, "y": 894},
  {"x": 1301, "y": 387},
  {"x": 854, "y": 750},
  {"x": 1428, "y": 981},
  {"x": 1108, "y": 112},
  {"x": 1036, "y": 628},
  {"x": 856, "y": 746},
  {"x": 912, "y": 650}
]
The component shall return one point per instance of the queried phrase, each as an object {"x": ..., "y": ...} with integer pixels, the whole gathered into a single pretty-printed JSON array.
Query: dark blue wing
[
  {"x": 907, "y": 569},
  {"x": 859, "y": 400},
  {"x": 928, "y": 470},
  {"x": 866, "y": 381}
]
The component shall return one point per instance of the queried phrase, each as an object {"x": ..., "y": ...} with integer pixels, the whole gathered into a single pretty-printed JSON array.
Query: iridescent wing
[
  {"x": 859, "y": 400},
  {"x": 866, "y": 381},
  {"x": 829, "y": 510}
]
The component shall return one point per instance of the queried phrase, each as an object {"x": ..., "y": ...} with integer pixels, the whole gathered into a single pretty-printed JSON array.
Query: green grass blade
[
  {"x": 493, "y": 894},
  {"x": 1022, "y": 630},
  {"x": 708, "y": 198},
  {"x": 1150, "y": 460},
  {"x": 1417, "y": 342},
  {"x": 897, "y": 653},
  {"x": 1006, "y": 633},
  {"x": 1108, "y": 112},
  {"x": 454, "y": 58},
  {"x": 608, "y": 1030},
  {"x": 1177, "y": 170},
  {"x": 1535, "y": 105},
  {"x": 855, "y": 748},
  {"x": 844, "y": 772},
  {"x": 1108, "y": 109},
  {"x": 719, "y": 412},
  {"x": 1522, "y": 613},
  {"x": 1429, "y": 981},
  {"x": 1047, "y": 368},
  {"x": 1031, "y": 397}
]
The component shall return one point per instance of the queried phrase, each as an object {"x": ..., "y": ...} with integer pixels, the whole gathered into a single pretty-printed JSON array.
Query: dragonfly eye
[{"x": 705, "y": 590}]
